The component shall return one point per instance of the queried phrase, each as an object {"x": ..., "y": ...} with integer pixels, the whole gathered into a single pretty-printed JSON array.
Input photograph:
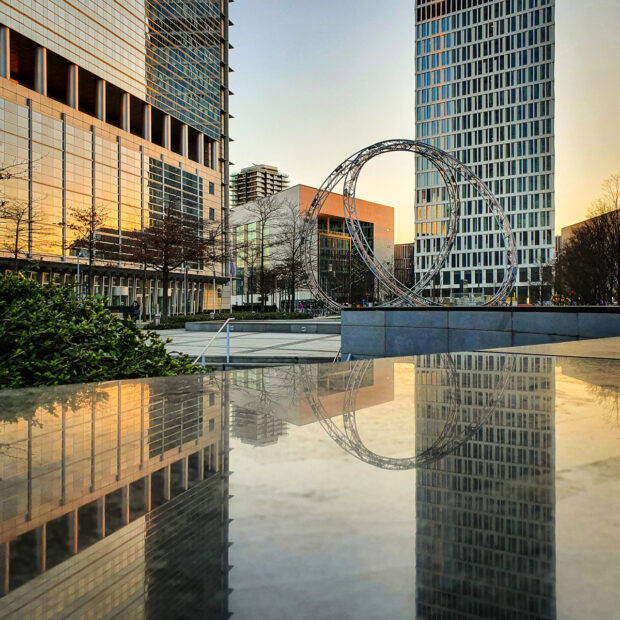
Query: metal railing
[
  {"x": 225, "y": 324},
  {"x": 339, "y": 358}
]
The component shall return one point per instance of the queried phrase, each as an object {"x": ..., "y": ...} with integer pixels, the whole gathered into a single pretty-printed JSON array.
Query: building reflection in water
[
  {"x": 485, "y": 481},
  {"x": 485, "y": 536},
  {"x": 264, "y": 401},
  {"x": 252, "y": 419},
  {"x": 114, "y": 500}
]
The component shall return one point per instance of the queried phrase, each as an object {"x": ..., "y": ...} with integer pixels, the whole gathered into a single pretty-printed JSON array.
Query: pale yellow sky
[{"x": 316, "y": 81}]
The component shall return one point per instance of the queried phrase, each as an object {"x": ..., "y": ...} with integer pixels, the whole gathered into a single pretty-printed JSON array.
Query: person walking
[{"x": 134, "y": 311}]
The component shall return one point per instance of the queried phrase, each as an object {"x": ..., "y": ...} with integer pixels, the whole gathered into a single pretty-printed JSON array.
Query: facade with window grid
[
  {"x": 120, "y": 109},
  {"x": 485, "y": 94},
  {"x": 125, "y": 486},
  {"x": 485, "y": 537}
]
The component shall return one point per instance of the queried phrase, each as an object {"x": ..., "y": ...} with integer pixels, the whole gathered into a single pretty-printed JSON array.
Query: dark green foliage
[
  {"x": 177, "y": 322},
  {"x": 48, "y": 337}
]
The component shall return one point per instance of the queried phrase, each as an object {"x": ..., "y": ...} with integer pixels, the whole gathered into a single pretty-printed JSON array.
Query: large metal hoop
[{"x": 452, "y": 172}]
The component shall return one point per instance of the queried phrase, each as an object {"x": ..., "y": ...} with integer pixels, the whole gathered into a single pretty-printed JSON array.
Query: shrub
[{"x": 48, "y": 337}]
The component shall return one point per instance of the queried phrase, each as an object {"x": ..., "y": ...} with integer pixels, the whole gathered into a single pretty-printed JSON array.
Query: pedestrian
[
  {"x": 300, "y": 307},
  {"x": 134, "y": 311}
]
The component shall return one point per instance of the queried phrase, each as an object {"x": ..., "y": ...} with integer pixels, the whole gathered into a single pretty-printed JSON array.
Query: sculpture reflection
[{"x": 460, "y": 423}]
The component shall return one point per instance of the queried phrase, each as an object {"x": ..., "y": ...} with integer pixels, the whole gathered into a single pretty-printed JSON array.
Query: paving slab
[{"x": 254, "y": 345}]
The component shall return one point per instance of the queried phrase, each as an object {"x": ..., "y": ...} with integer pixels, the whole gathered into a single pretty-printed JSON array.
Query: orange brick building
[{"x": 341, "y": 271}]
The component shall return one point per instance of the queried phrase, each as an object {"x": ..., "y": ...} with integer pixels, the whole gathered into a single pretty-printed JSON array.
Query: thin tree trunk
[
  {"x": 262, "y": 267},
  {"x": 293, "y": 283},
  {"x": 16, "y": 251},
  {"x": 143, "y": 304},
  {"x": 164, "y": 294},
  {"x": 89, "y": 272}
]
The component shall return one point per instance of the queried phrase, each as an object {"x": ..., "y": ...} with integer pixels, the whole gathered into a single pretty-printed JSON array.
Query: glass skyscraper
[
  {"x": 485, "y": 513},
  {"x": 116, "y": 108},
  {"x": 485, "y": 94}
]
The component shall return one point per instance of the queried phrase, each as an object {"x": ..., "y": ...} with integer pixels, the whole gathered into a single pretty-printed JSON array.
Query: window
[
  {"x": 211, "y": 213},
  {"x": 211, "y": 188}
]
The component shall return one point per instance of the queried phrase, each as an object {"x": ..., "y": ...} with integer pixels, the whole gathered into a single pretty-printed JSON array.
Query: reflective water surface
[{"x": 460, "y": 486}]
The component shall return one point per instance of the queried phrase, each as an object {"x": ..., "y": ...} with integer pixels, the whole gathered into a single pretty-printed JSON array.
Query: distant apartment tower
[
  {"x": 485, "y": 94},
  {"x": 256, "y": 182}
]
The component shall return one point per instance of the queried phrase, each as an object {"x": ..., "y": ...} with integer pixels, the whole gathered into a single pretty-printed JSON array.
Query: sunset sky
[{"x": 317, "y": 80}]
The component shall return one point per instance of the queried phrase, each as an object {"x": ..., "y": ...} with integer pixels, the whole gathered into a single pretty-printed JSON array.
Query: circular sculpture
[
  {"x": 458, "y": 427},
  {"x": 452, "y": 172}
]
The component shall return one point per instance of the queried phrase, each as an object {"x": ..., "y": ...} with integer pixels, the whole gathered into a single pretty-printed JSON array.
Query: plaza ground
[{"x": 255, "y": 346}]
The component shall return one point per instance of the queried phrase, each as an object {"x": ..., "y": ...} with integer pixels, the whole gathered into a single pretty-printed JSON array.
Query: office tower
[
  {"x": 256, "y": 182},
  {"x": 118, "y": 110},
  {"x": 485, "y": 512},
  {"x": 485, "y": 94}
]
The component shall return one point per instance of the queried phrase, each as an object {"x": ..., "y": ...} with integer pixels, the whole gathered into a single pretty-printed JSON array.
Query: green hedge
[
  {"x": 178, "y": 322},
  {"x": 48, "y": 337}
]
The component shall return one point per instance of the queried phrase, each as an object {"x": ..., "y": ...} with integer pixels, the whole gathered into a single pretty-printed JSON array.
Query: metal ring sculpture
[
  {"x": 454, "y": 433},
  {"x": 452, "y": 172}
]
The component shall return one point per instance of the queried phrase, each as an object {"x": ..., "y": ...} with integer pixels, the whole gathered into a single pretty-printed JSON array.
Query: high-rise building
[
  {"x": 256, "y": 182},
  {"x": 485, "y": 94},
  {"x": 116, "y": 110},
  {"x": 485, "y": 513}
]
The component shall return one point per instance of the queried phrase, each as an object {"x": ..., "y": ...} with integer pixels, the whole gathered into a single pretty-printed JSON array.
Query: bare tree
[
  {"x": 171, "y": 239},
  {"x": 214, "y": 252},
  {"x": 541, "y": 281},
  {"x": 588, "y": 267},
  {"x": 289, "y": 242},
  {"x": 17, "y": 169},
  {"x": 136, "y": 248},
  {"x": 87, "y": 223},
  {"x": 17, "y": 217},
  {"x": 263, "y": 211}
]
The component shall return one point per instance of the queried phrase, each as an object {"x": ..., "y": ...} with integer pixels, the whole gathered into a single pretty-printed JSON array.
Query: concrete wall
[{"x": 381, "y": 332}]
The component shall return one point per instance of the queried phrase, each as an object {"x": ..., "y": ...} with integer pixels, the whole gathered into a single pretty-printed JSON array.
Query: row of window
[
  {"x": 499, "y": 188},
  {"x": 532, "y": 257},
  {"x": 495, "y": 42},
  {"x": 474, "y": 218},
  {"x": 468, "y": 137},
  {"x": 464, "y": 18},
  {"x": 464, "y": 57},
  {"x": 471, "y": 89},
  {"x": 473, "y": 120},
  {"x": 494, "y": 80}
]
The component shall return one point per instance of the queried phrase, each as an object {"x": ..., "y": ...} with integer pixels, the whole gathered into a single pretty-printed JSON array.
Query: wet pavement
[{"x": 456, "y": 485}]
